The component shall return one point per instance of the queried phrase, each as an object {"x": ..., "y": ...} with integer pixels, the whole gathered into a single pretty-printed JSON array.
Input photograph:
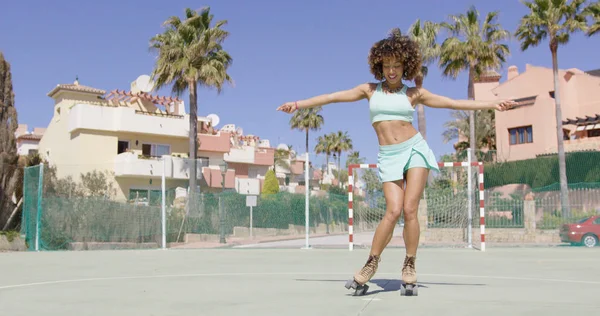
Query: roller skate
[
  {"x": 409, "y": 285},
  {"x": 358, "y": 282}
]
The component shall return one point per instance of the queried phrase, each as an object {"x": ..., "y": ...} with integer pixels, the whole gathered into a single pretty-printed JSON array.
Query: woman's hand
[
  {"x": 288, "y": 107},
  {"x": 505, "y": 105}
]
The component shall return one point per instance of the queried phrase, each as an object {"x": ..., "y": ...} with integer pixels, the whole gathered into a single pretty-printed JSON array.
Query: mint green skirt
[{"x": 394, "y": 160}]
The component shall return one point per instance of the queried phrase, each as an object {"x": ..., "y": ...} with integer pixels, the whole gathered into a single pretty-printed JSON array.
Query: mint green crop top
[{"x": 390, "y": 107}]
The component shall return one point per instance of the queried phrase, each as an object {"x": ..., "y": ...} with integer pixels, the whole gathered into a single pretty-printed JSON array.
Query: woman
[{"x": 404, "y": 157}]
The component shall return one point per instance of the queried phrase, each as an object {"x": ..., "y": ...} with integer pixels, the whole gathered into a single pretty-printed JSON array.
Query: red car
[{"x": 585, "y": 231}]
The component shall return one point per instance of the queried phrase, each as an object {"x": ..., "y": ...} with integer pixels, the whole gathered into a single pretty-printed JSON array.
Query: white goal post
[{"x": 470, "y": 188}]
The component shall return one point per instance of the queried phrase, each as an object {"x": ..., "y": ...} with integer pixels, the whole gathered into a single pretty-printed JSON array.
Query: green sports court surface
[{"x": 292, "y": 281}]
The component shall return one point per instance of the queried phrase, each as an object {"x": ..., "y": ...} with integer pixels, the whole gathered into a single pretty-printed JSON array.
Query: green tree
[
  {"x": 190, "y": 54},
  {"x": 324, "y": 146},
  {"x": 354, "y": 158},
  {"x": 554, "y": 20},
  {"x": 426, "y": 36},
  {"x": 8, "y": 147},
  {"x": 307, "y": 120},
  {"x": 473, "y": 46},
  {"x": 593, "y": 11},
  {"x": 485, "y": 131},
  {"x": 340, "y": 142},
  {"x": 271, "y": 185}
]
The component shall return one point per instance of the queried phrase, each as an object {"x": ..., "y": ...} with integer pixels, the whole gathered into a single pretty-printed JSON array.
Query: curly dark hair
[{"x": 400, "y": 47}]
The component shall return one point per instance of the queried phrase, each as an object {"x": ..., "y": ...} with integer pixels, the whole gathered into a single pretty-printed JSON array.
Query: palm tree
[
  {"x": 593, "y": 10},
  {"x": 324, "y": 146},
  {"x": 190, "y": 54},
  {"x": 425, "y": 35},
  {"x": 341, "y": 142},
  {"x": 354, "y": 158},
  {"x": 485, "y": 132},
  {"x": 555, "y": 20},
  {"x": 474, "y": 47},
  {"x": 306, "y": 120}
]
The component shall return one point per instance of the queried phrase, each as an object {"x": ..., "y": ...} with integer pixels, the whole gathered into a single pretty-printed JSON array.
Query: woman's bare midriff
[{"x": 393, "y": 132}]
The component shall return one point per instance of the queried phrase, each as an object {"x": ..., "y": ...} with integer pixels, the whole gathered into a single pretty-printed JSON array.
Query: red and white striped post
[
  {"x": 351, "y": 168},
  {"x": 441, "y": 165}
]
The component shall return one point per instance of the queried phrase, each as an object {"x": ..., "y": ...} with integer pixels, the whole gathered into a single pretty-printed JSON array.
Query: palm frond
[
  {"x": 474, "y": 45},
  {"x": 555, "y": 20},
  {"x": 190, "y": 52},
  {"x": 593, "y": 11}
]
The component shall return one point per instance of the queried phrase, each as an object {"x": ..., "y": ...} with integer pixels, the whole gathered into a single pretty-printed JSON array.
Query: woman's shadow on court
[{"x": 392, "y": 285}]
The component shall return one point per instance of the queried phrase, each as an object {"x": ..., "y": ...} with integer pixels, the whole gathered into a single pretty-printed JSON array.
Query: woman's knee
[
  {"x": 394, "y": 212},
  {"x": 410, "y": 210}
]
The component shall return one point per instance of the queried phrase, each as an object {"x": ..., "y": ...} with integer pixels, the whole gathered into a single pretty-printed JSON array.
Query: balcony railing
[
  {"x": 125, "y": 119},
  {"x": 587, "y": 143},
  {"x": 243, "y": 155},
  {"x": 132, "y": 165},
  {"x": 214, "y": 178},
  {"x": 214, "y": 143},
  {"x": 265, "y": 156}
]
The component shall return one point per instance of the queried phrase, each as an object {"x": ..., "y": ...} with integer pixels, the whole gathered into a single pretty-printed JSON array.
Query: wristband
[{"x": 296, "y": 103}]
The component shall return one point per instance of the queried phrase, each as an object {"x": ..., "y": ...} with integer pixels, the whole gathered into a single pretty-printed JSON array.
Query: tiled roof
[
  {"x": 30, "y": 136},
  {"x": 122, "y": 95},
  {"x": 595, "y": 72},
  {"x": 77, "y": 88},
  {"x": 491, "y": 73},
  {"x": 489, "y": 76}
]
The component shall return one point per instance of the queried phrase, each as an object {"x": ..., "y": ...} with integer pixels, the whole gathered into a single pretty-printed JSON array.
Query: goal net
[{"x": 451, "y": 211}]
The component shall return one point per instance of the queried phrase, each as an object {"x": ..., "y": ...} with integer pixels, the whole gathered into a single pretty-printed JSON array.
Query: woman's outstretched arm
[
  {"x": 437, "y": 101},
  {"x": 351, "y": 95}
]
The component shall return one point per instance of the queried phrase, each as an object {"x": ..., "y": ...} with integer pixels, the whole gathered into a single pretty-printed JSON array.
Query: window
[
  {"x": 593, "y": 133},
  {"x": 520, "y": 135},
  {"x": 149, "y": 196},
  {"x": 122, "y": 146},
  {"x": 137, "y": 194},
  {"x": 566, "y": 134},
  {"x": 155, "y": 150}
]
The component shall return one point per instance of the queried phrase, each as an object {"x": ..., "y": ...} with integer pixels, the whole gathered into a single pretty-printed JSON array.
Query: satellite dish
[
  {"x": 239, "y": 131},
  {"x": 214, "y": 119},
  {"x": 283, "y": 147},
  {"x": 144, "y": 83}
]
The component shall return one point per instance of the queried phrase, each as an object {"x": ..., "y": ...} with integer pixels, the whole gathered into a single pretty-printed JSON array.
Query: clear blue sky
[{"x": 282, "y": 51}]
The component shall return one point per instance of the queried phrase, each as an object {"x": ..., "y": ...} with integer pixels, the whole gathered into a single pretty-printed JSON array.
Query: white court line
[{"x": 283, "y": 273}]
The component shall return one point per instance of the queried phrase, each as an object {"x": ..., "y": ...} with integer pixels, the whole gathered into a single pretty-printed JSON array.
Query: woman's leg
[
  {"x": 394, "y": 197},
  {"x": 416, "y": 178}
]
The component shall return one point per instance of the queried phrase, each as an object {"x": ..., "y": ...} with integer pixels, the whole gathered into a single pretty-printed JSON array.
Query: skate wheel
[
  {"x": 351, "y": 284},
  {"x": 361, "y": 290},
  {"x": 409, "y": 290}
]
